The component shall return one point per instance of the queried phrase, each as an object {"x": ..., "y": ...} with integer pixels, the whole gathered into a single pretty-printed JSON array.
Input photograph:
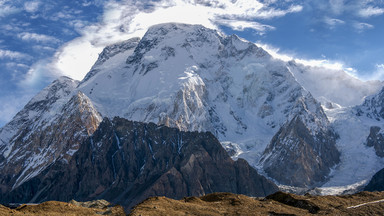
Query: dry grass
[{"x": 285, "y": 204}]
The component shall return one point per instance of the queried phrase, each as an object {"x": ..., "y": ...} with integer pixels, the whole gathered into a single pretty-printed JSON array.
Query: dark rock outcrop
[
  {"x": 292, "y": 200},
  {"x": 376, "y": 183},
  {"x": 376, "y": 140},
  {"x": 297, "y": 157},
  {"x": 125, "y": 162}
]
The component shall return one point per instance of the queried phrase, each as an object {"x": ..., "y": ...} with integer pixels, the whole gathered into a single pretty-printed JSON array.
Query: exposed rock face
[
  {"x": 299, "y": 155},
  {"x": 50, "y": 127},
  {"x": 376, "y": 140},
  {"x": 377, "y": 182},
  {"x": 126, "y": 162}
]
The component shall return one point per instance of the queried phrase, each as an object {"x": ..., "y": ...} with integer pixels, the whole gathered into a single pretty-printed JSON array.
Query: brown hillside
[
  {"x": 54, "y": 208},
  {"x": 276, "y": 204},
  {"x": 364, "y": 203}
]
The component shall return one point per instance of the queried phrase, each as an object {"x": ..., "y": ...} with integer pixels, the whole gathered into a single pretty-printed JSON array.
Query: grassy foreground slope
[{"x": 363, "y": 203}]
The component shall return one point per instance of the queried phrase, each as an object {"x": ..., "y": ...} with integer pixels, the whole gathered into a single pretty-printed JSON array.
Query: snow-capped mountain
[
  {"x": 50, "y": 127},
  {"x": 197, "y": 79}
]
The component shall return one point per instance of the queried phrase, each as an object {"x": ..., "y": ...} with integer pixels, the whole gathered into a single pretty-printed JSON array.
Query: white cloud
[
  {"x": 275, "y": 52},
  {"x": 125, "y": 19},
  {"x": 337, "y": 6},
  {"x": 32, "y": 6},
  {"x": 6, "y": 9},
  {"x": 11, "y": 104},
  {"x": 37, "y": 75},
  {"x": 326, "y": 63},
  {"x": 43, "y": 48},
  {"x": 12, "y": 54},
  {"x": 75, "y": 59},
  {"x": 362, "y": 26},
  {"x": 27, "y": 36},
  {"x": 332, "y": 22},
  {"x": 273, "y": 13},
  {"x": 370, "y": 11},
  {"x": 378, "y": 74},
  {"x": 240, "y": 25},
  {"x": 14, "y": 64}
]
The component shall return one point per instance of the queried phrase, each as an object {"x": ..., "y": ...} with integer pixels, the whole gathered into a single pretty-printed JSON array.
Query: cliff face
[
  {"x": 126, "y": 162},
  {"x": 376, "y": 140},
  {"x": 376, "y": 183},
  {"x": 299, "y": 156}
]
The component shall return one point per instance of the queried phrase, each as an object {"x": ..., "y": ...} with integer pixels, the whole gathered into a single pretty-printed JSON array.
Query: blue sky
[{"x": 41, "y": 40}]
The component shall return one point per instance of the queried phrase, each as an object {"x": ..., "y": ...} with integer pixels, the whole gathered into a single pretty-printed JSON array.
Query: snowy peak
[
  {"x": 38, "y": 111},
  {"x": 58, "y": 89},
  {"x": 50, "y": 127},
  {"x": 115, "y": 51},
  {"x": 198, "y": 43}
]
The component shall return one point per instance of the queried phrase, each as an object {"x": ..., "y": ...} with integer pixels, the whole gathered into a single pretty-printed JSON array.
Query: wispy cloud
[
  {"x": 354, "y": 13},
  {"x": 333, "y": 22},
  {"x": 270, "y": 13},
  {"x": 32, "y": 6},
  {"x": 377, "y": 74},
  {"x": 9, "y": 54},
  {"x": 370, "y": 11},
  {"x": 337, "y": 6},
  {"x": 27, "y": 36},
  {"x": 6, "y": 8},
  {"x": 240, "y": 25},
  {"x": 360, "y": 26},
  {"x": 11, "y": 104}
]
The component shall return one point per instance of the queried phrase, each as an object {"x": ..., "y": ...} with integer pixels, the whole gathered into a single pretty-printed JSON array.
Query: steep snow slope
[
  {"x": 37, "y": 112},
  {"x": 50, "y": 127},
  {"x": 333, "y": 87},
  {"x": 195, "y": 78}
]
